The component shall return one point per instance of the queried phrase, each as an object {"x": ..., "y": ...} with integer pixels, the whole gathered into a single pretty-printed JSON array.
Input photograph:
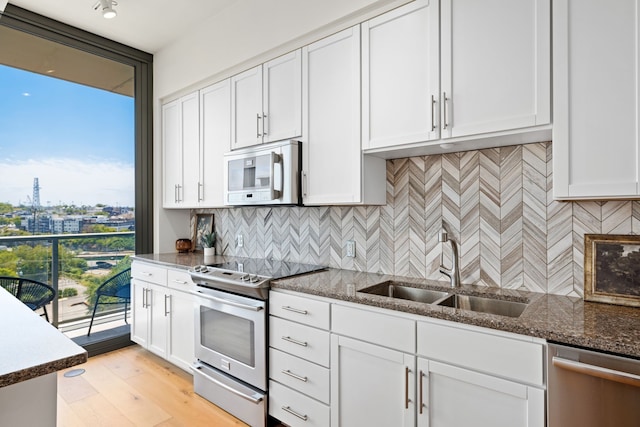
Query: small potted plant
[{"x": 209, "y": 243}]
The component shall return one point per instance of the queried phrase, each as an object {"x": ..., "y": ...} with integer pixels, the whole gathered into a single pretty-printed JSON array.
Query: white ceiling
[{"x": 148, "y": 25}]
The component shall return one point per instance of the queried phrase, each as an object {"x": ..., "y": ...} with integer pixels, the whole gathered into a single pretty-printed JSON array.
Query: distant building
[{"x": 67, "y": 225}]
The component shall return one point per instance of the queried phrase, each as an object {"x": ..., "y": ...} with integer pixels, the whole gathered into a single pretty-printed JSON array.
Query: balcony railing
[{"x": 73, "y": 264}]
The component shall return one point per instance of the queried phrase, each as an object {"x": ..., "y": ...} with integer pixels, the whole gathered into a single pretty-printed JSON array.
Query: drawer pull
[
  {"x": 294, "y": 413},
  {"x": 421, "y": 391},
  {"x": 180, "y": 282},
  {"x": 291, "y": 374},
  {"x": 406, "y": 387},
  {"x": 295, "y": 310},
  {"x": 146, "y": 273},
  {"x": 295, "y": 341}
]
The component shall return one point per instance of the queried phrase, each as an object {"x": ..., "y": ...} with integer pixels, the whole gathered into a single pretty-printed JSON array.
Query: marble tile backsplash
[{"x": 496, "y": 203}]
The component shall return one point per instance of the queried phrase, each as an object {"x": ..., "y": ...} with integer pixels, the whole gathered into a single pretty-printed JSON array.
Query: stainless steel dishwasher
[{"x": 591, "y": 389}]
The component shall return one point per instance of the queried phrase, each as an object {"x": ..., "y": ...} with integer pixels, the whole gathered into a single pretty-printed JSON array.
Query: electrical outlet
[
  {"x": 351, "y": 248},
  {"x": 240, "y": 240}
]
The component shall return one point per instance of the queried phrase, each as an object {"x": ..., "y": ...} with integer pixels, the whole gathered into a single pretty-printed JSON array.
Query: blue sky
[{"x": 78, "y": 141}]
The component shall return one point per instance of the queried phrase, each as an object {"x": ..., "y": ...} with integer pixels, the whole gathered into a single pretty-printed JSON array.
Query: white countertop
[{"x": 29, "y": 345}]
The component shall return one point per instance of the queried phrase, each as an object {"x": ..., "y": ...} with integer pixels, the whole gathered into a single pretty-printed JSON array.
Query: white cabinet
[
  {"x": 215, "y": 134},
  {"x": 371, "y": 385},
  {"x": 596, "y": 94},
  {"x": 456, "y": 75},
  {"x": 334, "y": 168},
  {"x": 496, "y": 65},
  {"x": 451, "y": 396},
  {"x": 497, "y": 377},
  {"x": 400, "y": 76},
  {"x": 266, "y": 102},
  {"x": 181, "y": 151},
  {"x": 299, "y": 360},
  {"x": 163, "y": 312}
]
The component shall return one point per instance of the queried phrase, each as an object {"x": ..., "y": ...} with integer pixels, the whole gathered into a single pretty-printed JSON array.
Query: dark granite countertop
[
  {"x": 560, "y": 319},
  {"x": 31, "y": 347}
]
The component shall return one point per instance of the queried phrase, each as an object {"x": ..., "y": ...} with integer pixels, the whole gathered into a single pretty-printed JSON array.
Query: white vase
[{"x": 209, "y": 251}]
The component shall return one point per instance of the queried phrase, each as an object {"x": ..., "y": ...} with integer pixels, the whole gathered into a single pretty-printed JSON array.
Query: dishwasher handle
[{"x": 596, "y": 371}]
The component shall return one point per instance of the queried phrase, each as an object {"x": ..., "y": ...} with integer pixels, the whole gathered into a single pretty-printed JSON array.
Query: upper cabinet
[
  {"x": 334, "y": 169},
  {"x": 400, "y": 74},
  {"x": 596, "y": 95},
  {"x": 494, "y": 71},
  {"x": 180, "y": 136},
  {"x": 266, "y": 102}
]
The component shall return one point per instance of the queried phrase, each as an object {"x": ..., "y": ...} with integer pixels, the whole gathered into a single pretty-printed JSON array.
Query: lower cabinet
[
  {"x": 450, "y": 396},
  {"x": 163, "y": 318},
  {"x": 371, "y": 385}
]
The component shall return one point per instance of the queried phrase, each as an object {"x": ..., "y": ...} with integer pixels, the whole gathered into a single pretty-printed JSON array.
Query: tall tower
[{"x": 36, "y": 194}]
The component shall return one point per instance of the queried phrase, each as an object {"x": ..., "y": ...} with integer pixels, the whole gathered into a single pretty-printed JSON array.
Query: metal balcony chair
[
  {"x": 32, "y": 293},
  {"x": 117, "y": 290}
]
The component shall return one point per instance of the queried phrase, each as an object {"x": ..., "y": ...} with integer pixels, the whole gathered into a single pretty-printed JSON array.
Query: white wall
[{"x": 243, "y": 35}]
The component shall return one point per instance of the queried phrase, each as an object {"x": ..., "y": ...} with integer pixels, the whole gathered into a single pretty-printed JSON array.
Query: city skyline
[{"x": 77, "y": 140}]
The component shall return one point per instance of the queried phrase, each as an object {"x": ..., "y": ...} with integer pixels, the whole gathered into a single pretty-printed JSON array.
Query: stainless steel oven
[{"x": 231, "y": 333}]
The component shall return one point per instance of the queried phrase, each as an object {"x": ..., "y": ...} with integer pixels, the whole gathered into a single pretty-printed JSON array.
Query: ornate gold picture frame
[{"x": 612, "y": 269}]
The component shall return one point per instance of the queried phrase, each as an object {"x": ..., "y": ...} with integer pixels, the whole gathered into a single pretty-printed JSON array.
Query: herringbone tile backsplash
[{"x": 496, "y": 203}]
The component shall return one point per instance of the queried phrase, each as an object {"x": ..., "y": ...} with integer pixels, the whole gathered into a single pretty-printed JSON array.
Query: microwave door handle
[{"x": 276, "y": 192}]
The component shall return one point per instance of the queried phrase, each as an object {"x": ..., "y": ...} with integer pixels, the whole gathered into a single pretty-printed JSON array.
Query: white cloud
[{"x": 87, "y": 182}]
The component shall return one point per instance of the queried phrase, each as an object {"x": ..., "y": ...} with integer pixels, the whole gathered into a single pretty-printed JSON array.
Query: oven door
[{"x": 231, "y": 335}]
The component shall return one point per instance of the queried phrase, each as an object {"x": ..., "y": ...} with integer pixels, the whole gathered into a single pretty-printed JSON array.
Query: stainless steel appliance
[
  {"x": 592, "y": 389},
  {"x": 267, "y": 174},
  {"x": 231, "y": 333}
]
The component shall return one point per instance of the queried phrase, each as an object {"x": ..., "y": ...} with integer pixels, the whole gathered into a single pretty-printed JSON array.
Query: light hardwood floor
[{"x": 133, "y": 387}]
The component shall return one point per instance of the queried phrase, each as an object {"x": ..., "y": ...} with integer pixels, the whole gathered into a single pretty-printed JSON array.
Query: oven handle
[
  {"x": 255, "y": 400},
  {"x": 226, "y": 301},
  {"x": 597, "y": 371}
]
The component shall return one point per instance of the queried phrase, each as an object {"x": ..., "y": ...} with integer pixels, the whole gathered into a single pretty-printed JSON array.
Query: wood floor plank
[{"x": 133, "y": 387}]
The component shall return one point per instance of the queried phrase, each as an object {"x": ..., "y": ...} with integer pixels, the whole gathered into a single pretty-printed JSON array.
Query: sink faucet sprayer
[{"x": 454, "y": 272}]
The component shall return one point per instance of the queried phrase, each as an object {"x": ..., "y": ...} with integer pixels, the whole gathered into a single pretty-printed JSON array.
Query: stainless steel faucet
[{"x": 454, "y": 272}]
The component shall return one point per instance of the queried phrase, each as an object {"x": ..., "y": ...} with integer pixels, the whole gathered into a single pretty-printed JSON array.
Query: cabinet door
[
  {"x": 190, "y": 125},
  {"x": 595, "y": 78},
  {"x": 215, "y": 131},
  {"x": 495, "y": 66},
  {"x": 449, "y": 396},
  {"x": 139, "y": 313},
  {"x": 158, "y": 306},
  {"x": 172, "y": 153},
  {"x": 400, "y": 76},
  {"x": 282, "y": 97},
  {"x": 371, "y": 385},
  {"x": 181, "y": 346},
  {"x": 332, "y": 158},
  {"x": 246, "y": 108}
]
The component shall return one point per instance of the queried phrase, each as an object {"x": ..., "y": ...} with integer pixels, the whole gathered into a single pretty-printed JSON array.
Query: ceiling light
[{"x": 106, "y": 6}]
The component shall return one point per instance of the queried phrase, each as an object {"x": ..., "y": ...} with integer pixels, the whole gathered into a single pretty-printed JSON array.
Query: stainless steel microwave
[{"x": 267, "y": 174}]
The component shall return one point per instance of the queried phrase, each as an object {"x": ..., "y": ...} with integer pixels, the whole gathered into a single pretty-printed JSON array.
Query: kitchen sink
[
  {"x": 484, "y": 305},
  {"x": 402, "y": 291}
]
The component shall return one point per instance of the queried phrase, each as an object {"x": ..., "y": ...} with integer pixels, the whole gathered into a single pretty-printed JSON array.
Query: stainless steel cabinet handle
[
  {"x": 227, "y": 302},
  {"x": 295, "y": 341},
  {"x": 180, "y": 282},
  {"x": 166, "y": 311},
  {"x": 294, "y": 413},
  {"x": 433, "y": 113},
  {"x": 295, "y": 310},
  {"x": 291, "y": 374},
  {"x": 175, "y": 193},
  {"x": 421, "y": 392},
  {"x": 200, "y": 198},
  {"x": 146, "y": 291},
  {"x": 264, "y": 125},
  {"x": 445, "y": 101},
  {"x": 406, "y": 387},
  {"x": 304, "y": 184},
  {"x": 597, "y": 371},
  {"x": 258, "y": 134},
  {"x": 144, "y": 298}
]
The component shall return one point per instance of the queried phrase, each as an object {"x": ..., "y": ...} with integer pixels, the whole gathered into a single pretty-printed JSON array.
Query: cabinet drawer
[
  {"x": 180, "y": 280},
  {"x": 149, "y": 273},
  {"x": 377, "y": 328},
  {"x": 302, "y": 341},
  {"x": 284, "y": 403},
  {"x": 300, "y": 375},
  {"x": 502, "y": 356},
  {"x": 300, "y": 309}
]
